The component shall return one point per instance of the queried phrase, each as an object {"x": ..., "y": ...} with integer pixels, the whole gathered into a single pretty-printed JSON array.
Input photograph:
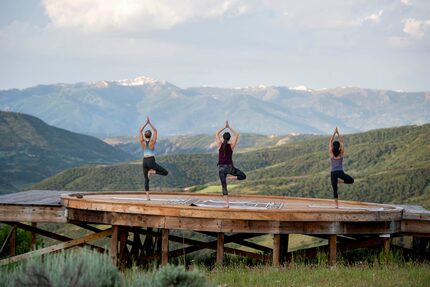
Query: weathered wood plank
[
  {"x": 54, "y": 248},
  {"x": 23, "y": 213},
  {"x": 233, "y": 226},
  {"x": 415, "y": 227}
]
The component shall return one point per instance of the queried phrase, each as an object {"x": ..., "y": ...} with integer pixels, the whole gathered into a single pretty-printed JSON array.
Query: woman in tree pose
[
  {"x": 147, "y": 142},
  {"x": 337, "y": 151},
  {"x": 225, "y": 159}
]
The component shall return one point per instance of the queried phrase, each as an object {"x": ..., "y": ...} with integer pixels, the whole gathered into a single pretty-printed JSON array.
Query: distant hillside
[
  {"x": 389, "y": 165},
  {"x": 192, "y": 144},
  {"x": 119, "y": 108},
  {"x": 31, "y": 150}
]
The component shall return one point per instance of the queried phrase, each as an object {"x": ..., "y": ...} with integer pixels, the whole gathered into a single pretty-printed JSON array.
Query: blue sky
[{"x": 382, "y": 44}]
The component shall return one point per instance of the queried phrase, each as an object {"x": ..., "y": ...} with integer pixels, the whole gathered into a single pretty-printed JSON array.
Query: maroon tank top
[{"x": 225, "y": 157}]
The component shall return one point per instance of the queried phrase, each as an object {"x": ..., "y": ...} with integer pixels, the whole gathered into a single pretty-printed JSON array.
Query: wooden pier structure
[{"x": 142, "y": 230}]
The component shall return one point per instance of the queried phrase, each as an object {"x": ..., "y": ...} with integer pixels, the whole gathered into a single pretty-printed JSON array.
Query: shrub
[
  {"x": 177, "y": 276},
  {"x": 79, "y": 268}
]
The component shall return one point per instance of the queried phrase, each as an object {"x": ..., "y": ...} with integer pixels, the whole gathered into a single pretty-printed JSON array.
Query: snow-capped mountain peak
[{"x": 139, "y": 81}]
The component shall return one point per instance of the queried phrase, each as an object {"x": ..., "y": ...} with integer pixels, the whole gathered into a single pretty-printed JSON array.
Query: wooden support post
[
  {"x": 387, "y": 241},
  {"x": 123, "y": 250},
  {"x": 332, "y": 249},
  {"x": 33, "y": 237},
  {"x": 276, "y": 249},
  {"x": 12, "y": 242},
  {"x": 284, "y": 248},
  {"x": 114, "y": 245},
  {"x": 164, "y": 246},
  {"x": 220, "y": 248}
]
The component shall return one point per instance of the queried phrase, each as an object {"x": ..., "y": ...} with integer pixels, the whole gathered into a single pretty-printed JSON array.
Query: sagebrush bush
[
  {"x": 80, "y": 268},
  {"x": 177, "y": 276}
]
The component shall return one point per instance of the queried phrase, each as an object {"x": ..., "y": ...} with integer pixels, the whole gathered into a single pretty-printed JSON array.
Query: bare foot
[
  {"x": 336, "y": 203},
  {"x": 151, "y": 172},
  {"x": 231, "y": 177},
  {"x": 227, "y": 204},
  {"x": 340, "y": 180},
  {"x": 147, "y": 196}
]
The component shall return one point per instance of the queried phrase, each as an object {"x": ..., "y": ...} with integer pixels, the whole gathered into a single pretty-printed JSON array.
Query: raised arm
[
  {"x": 217, "y": 136},
  {"x": 342, "y": 146},
  {"x": 235, "y": 137},
  {"x": 154, "y": 133},
  {"x": 141, "y": 140},
  {"x": 330, "y": 145}
]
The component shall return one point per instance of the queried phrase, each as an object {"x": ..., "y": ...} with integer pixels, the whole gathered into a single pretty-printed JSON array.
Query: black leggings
[
  {"x": 149, "y": 163},
  {"x": 339, "y": 174},
  {"x": 225, "y": 169}
]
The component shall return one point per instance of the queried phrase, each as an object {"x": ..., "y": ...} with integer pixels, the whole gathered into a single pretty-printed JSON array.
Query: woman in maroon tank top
[{"x": 225, "y": 159}]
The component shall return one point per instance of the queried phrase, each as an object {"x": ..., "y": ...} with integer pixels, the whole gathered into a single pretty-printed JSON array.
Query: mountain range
[
  {"x": 31, "y": 150},
  {"x": 119, "y": 108}
]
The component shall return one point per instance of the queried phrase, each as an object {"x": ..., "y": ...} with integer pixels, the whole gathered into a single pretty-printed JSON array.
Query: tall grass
[{"x": 83, "y": 267}]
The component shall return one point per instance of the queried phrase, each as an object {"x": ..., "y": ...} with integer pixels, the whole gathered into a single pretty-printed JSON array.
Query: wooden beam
[
  {"x": 54, "y": 248},
  {"x": 114, "y": 245},
  {"x": 276, "y": 249},
  {"x": 33, "y": 237},
  {"x": 332, "y": 250},
  {"x": 52, "y": 235},
  {"x": 12, "y": 242},
  {"x": 164, "y": 246},
  {"x": 387, "y": 242},
  {"x": 93, "y": 229},
  {"x": 123, "y": 250},
  {"x": 234, "y": 225},
  {"x": 28, "y": 213},
  {"x": 220, "y": 248}
]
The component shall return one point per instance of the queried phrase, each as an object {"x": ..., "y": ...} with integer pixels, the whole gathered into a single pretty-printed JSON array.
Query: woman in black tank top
[
  {"x": 225, "y": 159},
  {"x": 337, "y": 175}
]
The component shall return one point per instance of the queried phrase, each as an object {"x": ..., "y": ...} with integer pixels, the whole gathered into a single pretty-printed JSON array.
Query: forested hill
[
  {"x": 31, "y": 150},
  {"x": 389, "y": 165}
]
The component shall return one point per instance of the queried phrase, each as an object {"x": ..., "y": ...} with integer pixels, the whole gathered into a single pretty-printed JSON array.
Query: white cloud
[
  {"x": 375, "y": 17},
  {"x": 406, "y": 2},
  {"x": 136, "y": 15},
  {"x": 415, "y": 28},
  {"x": 328, "y": 14}
]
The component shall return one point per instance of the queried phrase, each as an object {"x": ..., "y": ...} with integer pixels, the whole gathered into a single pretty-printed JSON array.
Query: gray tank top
[{"x": 336, "y": 164}]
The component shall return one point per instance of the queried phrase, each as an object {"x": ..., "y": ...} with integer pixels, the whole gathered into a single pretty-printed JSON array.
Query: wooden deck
[{"x": 352, "y": 225}]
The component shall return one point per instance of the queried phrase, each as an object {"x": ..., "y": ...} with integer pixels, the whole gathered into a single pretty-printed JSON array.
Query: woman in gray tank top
[{"x": 337, "y": 151}]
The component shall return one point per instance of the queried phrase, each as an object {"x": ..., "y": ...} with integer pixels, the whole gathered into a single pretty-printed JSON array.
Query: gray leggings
[{"x": 225, "y": 169}]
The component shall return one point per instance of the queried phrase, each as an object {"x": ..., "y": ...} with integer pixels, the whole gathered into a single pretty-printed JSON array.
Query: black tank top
[{"x": 225, "y": 157}]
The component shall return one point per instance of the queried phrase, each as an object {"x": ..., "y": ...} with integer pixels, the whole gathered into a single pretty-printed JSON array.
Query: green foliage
[
  {"x": 23, "y": 240},
  {"x": 79, "y": 268},
  {"x": 177, "y": 276},
  {"x": 31, "y": 150},
  {"x": 388, "y": 165}
]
